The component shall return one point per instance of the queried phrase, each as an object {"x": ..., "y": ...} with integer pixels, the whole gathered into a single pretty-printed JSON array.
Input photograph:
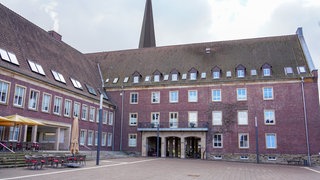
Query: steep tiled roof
[
  {"x": 28, "y": 41},
  {"x": 278, "y": 52}
]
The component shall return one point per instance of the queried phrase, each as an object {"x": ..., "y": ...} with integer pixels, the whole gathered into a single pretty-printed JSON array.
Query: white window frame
[
  {"x": 105, "y": 117},
  {"x": 271, "y": 143},
  {"x": 111, "y": 118},
  {"x": 132, "y": 140},
  {"x": 109, "y": 143},
  {"x": 267, "y": 93},
  {"x": 193, "y": 76},
  {"x": 173, "y": 96},
  {"x": 46, "y": 102},
  {"x": 133, "y": 119},
  {"x": 192, "y": 96},
  {"x": 242, "y": 117},
  {"x": 288, "y": 70},
  {"x": 83, "y": 136},
  {"x": 136, "y": 79},
  {"x": 266, "y": 72},
  {"x": 92, "y": 114},
  {"x": 174, "y": 77},
  {"x": 216, "y": 95},
  {"x": 253, "y": 72},
  {"x": 155, "y": 118},
  {"x": 132, "y": 98},
  {"x": 269, "y": 117},
  {"x": 76, "y": 109},
  {"x": 193, "y": 118},
  {"x": 33, "y": 99},
  {"x": 103, "y": 139},
  {"x": 57, "y": 105},
  {"x": 14, "y": 132},
  {"x": 67, "y": 108},
  {"x": 216, "y": 74},
  {"x": 217, "y": 143},
  {"x": 156, "y": 78},
  {"x": 243, "y": 144},
  {"x": 241, "y": 94},
  {"x": 173, "y": 119},
  {"x": 216, "y": 118},
  {"x": 240, "y": 73},
  {"x": 35, "y": 67},
  {"x": 84, "y": 112},
  {"x": 90, "y": 138},
  {"x": 4, "y": 91},
  {"x": 155, "y": 97},
  {"x": 19, "y": 96},
  {"x": 96, "y": 138}
]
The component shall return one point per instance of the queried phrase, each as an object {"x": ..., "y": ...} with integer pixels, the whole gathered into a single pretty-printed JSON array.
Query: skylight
[
  {"x": 166, "y": 77},
  {"x": 203, "y": 75},
  {"x": 91, "y": 90},
  {"x": 115, "y": 80},
  {"x": 126, "y": 79},
  {"x": 57, "y": 76},
  {"x": 147, "y": 78},
  {"x": 36, "y": 67},
  {"x": 8, "y": 56},
  {"x": 184, "y": 76},
  {"x": 76, "y": 83}
]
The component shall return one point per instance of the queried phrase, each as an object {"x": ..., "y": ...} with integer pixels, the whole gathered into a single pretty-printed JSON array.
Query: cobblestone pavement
[{"x": 156, "y": 169}]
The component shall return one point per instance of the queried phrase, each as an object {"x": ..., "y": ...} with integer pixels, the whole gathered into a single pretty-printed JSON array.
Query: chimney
[{"x": 55, "y": 35}]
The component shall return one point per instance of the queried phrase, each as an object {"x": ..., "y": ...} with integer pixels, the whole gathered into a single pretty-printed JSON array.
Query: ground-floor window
[
  {"x": 90, "y": 138},
  {"x": 132, "y": 140},
  {"x": 217, "y": 141},
  {"x": 243, "y": 140},
  {"x": 14, "y": 133},
  {"x": 109, "y": 139},
  {"x": 271, "y": 141},
  {"x": 104, "y": 139}
]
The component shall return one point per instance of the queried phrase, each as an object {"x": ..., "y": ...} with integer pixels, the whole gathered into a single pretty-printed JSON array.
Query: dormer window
[
  {"x": 157, "y": 76},
  {"x": 240, "y": 70},
  {"x": 136, "y": 79},
  {"x": 216, "y": 72},
  {"x": 266, "y": 69},
  {"x": 193, "y": 74},
  {"x": 174, "y": 77}
]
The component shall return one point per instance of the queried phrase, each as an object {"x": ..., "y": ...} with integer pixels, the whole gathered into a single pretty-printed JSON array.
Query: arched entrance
[
  {"x": 173, "y": 147},
  {"x": 193, "y": 147},
  {"x": 152, "y": 146}
]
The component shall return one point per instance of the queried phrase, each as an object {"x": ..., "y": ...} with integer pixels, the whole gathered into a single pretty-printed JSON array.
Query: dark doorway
[
  {"x": 173, "y": 147},
  {"x": 152, "y": 147},
  {"x": 193, "y": 147}
]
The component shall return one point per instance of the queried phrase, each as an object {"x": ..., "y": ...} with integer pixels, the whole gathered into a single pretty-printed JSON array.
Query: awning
[
  {"x": 7, "y": 122},
  {"x": 23, "y": 120}
]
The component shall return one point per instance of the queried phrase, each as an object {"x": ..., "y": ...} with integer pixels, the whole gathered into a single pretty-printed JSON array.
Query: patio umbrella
[
  {"x": 74, "y": 147},
  {"x": 23, "y": 120},
  {"x": 7, "y": 122}
]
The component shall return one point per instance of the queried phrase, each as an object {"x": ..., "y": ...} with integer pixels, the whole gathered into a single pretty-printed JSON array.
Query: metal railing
[{"x": 173, "y": 125}]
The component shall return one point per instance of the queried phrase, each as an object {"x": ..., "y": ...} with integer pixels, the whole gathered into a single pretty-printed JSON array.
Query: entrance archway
[
  {"x": 173, "y": 147},
  {"x": 152, "y": 146},
  {"x": 193, "y": 147}
]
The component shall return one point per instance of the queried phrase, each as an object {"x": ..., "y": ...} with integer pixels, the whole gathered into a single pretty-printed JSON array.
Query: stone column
[
  {"x": 163, "y": 146},
  {"x": 182, "y": 148},
  {"x": 25, "y": 133},
  {"x": 144, "y": 145},
  {"x": 56, "y": 145},
  {"x": 34, "y": 133}
]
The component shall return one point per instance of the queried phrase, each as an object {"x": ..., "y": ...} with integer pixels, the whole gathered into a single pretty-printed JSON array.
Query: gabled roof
[
  {"x": 279, "y": 52},
  {"x": 29, "y": 42}
]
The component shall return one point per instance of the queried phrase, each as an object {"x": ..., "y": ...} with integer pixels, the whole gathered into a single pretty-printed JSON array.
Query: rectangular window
[
  {"x": 57, "y": 105},
  {"x": 240, "y": 73},
  {"x": 76, "y": 83},
  {"x": 155, "y": 97},
  {"x": 83, "y": 135},
  {"x": 35, "y": 67},
  {"x": 253, "y": 72},
  {"x": 58, "y": 77},
  {"x": 217, "y": 141},
  {"x": 97, "y": 115},
  {"x": 4, "y": 92},
  {"x": 241, "y": 94},
  {"x": 216, "y": 118},
  {"x": 136, "y": 79},
  {"x": 96, "y": 138},
  {"x": 174, "y": 77},
  {"x": 19, "y": 96},
  {"x": 103, "y": 139},
  {"x": 134, "y": 98},
  {"x": 193, "y": 76},
  {"x": 84, "y": 115},
  {"x": 269, "y": 117},
  {"x": 288, "y": 70},
  {"x": 92, "y": 114},
  {"x": 193, "y": 119},
  {"x": 133, "y": 119},
  {"x": 132, "y": 140},
  {"x": 267, "y": 93},
  {"x": 216, "y": 95},
  {"x": 301, "y": 69},
  {"x": 156, "y": 78},
  {"x": 111, "y": 118},
  {"x": 271, "y": 141},
  {"x": 216, "y": 75},
  {"x": 228, "y": 74},
  {"x": 76, "y": 109},
  {"x": 173, "y": 121},
  {"x": 46, "y": 101},
  {"x": 242, "y": 117},
  {"x": 192, "y": 96},
  {"x": 67, "y": 107},
  {"x": 109, "y": 139},
  {"x": 14, "y": 133},
  {"x": 266, "y": 72},
  {"x": 203, "y": 75},
  {"x": 155, "y": 118},
  {"x": 243, "y": 140},
  {"x": 174, "y": 96},
  {"x": 105, "y": 117},
  {"x": 33, "y": 99},
  {"x": 90, "y": 138}
]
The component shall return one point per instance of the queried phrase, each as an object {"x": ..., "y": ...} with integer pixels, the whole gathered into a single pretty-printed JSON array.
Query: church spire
[{"x": 147, "y": 36}]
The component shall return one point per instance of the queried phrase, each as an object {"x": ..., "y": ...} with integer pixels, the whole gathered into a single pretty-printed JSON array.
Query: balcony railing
[{"x": 173, "y": 126}]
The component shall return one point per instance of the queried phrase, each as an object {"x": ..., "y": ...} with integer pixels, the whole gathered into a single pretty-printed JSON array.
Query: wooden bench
[{"x": 294, "y": 161}]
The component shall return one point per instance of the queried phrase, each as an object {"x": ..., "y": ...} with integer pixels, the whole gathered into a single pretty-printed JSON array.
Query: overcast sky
[{"x": 108, "y": 25}]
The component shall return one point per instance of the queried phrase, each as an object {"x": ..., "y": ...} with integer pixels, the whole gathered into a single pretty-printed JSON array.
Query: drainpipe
[
  {"x": 121, "y": 123},
  {"x": 305, "y": 120}
]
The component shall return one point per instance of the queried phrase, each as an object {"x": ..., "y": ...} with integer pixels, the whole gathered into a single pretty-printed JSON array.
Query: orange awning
[{"x": 23, "y": 120}]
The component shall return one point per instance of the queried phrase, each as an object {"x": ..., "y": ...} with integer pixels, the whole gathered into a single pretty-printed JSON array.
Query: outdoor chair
[
  {"x": 81, "y": 159},
  {"x": 58, "y": 160}
]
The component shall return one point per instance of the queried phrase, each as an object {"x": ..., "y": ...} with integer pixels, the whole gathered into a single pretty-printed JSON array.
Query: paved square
[{"x": 156, "y": 169}]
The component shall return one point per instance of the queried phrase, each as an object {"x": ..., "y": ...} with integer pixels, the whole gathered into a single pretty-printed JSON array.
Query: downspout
[
  {"x": 305, "y": 120},
  {"x": 121, "y": 123}
]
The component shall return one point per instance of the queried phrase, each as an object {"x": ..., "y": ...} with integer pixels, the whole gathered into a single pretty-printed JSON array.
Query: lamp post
[
  {"x": 158, "y": 139},
  {"x": 99, "y": 130}
]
